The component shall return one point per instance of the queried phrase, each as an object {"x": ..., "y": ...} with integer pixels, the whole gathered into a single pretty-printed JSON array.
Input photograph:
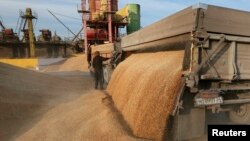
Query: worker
[{"x": 97, "y": 66}]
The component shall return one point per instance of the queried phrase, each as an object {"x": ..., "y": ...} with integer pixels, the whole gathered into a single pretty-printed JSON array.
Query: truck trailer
[{"x": 216, "y": 63}]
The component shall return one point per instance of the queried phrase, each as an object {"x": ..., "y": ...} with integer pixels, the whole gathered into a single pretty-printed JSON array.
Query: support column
[
  {"x": 110, "y": 21},
  {"x": 29, "y": 18}
]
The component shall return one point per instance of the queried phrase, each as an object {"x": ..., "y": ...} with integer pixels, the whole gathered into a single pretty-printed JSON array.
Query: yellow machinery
[{"x": 28, "y": 19}]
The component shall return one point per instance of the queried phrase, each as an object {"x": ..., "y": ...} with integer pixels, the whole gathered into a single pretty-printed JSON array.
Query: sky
[{"x": 151, "y": 11}]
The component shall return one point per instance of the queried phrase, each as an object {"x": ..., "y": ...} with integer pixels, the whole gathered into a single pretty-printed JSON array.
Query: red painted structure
[{"x": 98, "y": 22}]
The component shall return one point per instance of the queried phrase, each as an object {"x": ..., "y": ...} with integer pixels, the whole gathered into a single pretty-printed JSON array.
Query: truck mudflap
[
  {"x": 186, "y": 117},
  {"x": 188, "y": 125}
]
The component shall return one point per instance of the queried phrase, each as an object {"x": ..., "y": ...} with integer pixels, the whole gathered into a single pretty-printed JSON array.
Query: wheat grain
[{"x": 143, "y": 88}]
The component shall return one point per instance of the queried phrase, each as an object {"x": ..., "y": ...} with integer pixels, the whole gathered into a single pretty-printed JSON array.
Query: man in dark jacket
[{"x": 97, "y": 65}]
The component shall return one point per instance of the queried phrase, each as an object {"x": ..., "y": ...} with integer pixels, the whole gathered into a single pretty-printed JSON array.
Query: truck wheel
[{"x": 241, "y": 114}]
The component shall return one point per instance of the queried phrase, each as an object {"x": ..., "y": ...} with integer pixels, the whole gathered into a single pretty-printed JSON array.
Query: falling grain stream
[{"x": 144, "y": 88}]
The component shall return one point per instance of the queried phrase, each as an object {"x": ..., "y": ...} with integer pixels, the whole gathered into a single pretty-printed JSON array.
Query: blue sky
[{"x": 151, "y": 11}]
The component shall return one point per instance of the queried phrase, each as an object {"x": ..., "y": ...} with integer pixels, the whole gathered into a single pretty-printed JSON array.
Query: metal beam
[
  {"x": 218, "y": 47},
  {"x": 62, "y": 23},
  {"x": 1, "y": 24},
  {"x": 242, "y": 39},
  {"x": 76, "y": 36},
  {"x": 237, "y": 101}
]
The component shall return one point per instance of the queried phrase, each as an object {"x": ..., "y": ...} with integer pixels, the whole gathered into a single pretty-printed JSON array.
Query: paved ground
[{"x": 44, "y": 62}]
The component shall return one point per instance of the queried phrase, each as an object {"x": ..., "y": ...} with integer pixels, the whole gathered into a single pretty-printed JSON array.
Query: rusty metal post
[
  {"x": 84, "y": 18},
  {"x": 110, "y": 21}
]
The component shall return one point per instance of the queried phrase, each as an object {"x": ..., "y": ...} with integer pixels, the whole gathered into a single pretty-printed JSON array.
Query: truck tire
[{"x": 241, "y": 115}]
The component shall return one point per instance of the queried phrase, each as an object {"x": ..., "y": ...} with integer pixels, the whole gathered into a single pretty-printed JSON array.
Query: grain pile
[
  {"x": 76, "y": 62},
  {"x": 144, "y": 87},
  {"x": 40, "y": 107},
  {"x": 25, "y": 95},
  {"x": 88, "y": 118}
]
